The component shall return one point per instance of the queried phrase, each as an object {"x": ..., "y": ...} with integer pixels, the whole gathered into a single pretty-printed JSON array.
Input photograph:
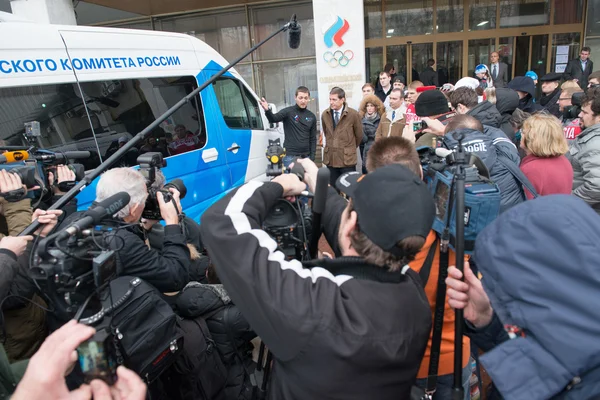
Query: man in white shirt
[{"x": 393, "y": 121}]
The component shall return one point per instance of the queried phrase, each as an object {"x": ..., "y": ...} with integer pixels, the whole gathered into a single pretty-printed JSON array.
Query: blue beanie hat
[{"x": 532, "y": 75}]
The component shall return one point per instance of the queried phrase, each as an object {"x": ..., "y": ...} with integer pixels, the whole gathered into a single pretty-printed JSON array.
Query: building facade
[{"x": 538, "y": 35}]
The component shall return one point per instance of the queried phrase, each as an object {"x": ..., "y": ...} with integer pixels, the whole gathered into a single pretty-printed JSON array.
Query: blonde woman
[
  {"x": 545, "y": 164},
  {"x": 570, "y": 85}
]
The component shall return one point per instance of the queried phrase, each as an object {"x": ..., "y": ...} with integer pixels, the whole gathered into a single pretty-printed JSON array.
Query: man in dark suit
[
  {"x": 429, "y": 77},
  {"x": 498, "y": 70},
  {"x": 580, "y": 68}
]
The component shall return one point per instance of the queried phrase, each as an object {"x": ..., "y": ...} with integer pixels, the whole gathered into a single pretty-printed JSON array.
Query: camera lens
[{"x": 179, "y": 185}]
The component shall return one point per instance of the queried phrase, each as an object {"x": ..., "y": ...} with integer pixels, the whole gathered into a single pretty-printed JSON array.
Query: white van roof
[{"x": 35, "y": 54}]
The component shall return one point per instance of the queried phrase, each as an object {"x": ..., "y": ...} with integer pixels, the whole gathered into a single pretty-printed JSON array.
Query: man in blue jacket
[{"x": 539, "y": 262}]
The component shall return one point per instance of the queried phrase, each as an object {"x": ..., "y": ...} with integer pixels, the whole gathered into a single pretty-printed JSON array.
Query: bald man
[{"x": 498, "y": 70}]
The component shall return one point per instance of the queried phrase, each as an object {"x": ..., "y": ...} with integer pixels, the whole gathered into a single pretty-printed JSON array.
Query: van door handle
[{"x": 235, "y": 147}]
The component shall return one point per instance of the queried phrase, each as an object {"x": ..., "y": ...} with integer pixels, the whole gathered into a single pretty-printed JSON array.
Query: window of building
[
  {"x": 239, "y": 108},
  {"x": 593, "y": 18},
  {"x": 573, "y": 40},
  {"x": 479, "y": 53},
  {"x": 268, "y": 19},
  {"x": 568, "y": 11},
  {"x": 449, "y": 62},
  {"x": 515, "y": 13},
  {"x": 279, "y": 81},
  {"x": 408, "y": 18},
  {"x": 374, "y": 57},
  {"x": 373, "y": 20},
  {"x": 119, "y": 109},
  {"x": 450, "y": 16},
  {"x": 227, "y": 32},
  {"x": 482, "y": 15}
]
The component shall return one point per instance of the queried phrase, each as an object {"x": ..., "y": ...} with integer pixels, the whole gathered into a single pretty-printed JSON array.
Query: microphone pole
[
  {"x": 141, "y": 136},
  {"x": 318, "y": 207},
  {"x": 461, "y": 163}
]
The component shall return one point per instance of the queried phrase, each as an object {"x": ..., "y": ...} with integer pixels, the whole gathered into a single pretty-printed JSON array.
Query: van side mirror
[{"x": 273, "y": 108}]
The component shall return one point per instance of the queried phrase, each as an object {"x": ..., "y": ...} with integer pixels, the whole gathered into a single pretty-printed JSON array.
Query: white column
[
  {"x": 340, "y": 48},
  {"x": 60, "y": 12}
]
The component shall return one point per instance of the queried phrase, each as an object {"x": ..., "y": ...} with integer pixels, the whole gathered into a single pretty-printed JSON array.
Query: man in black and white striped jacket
[{"x": 354, "y": 327}]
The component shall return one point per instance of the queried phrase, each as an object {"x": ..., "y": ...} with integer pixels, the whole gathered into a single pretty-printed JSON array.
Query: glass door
[
  {"x": 419, "y": 55},
  {"x": 397, "y": 55}
]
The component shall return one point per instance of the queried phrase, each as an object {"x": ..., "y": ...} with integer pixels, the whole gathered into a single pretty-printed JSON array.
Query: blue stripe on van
[{"x": 206, "y": 182}]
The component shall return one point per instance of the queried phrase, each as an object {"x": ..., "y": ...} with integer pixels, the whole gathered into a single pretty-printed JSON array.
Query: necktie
[
  {"x": 393, "y": 115},
  {"x": 336, "y": 116},
  {"x": 495, "y": 71}
]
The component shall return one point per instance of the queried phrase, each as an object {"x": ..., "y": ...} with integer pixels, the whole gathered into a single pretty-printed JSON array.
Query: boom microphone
[
  {"x": 294, "y": 32},
  {"x": 62, "y": 157},
  {"x": 13, "y": 156},
  {"x": 106, "y": 208}
]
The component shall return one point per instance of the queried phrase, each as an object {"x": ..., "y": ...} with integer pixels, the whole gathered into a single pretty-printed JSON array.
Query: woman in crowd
[
  {"x": 483, "y": 75},
  {"x": 545, "y": 164},
  {"x": 371, "y": 110},
  {"x": 516, "y": 121}
]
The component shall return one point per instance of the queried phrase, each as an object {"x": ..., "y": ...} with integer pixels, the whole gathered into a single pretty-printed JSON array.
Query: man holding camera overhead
[
  {"x": 167, "y": 270},
  {"x": 354, "y": 327}
]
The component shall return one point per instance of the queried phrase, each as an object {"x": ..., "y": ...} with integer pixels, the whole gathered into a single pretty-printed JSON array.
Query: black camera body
[
  {"x": 573, "y": 111},
  {"x": 275, "y": 154},
  {"x": 289, "y": 225},
  {"x": 150, "y": 163},
  {"x": 70, "y": 274}
]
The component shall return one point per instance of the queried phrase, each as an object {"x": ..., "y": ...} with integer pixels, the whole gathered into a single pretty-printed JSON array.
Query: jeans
[
  {"x": 445, "y": 382},
  {"x": 287, "y": 160}
]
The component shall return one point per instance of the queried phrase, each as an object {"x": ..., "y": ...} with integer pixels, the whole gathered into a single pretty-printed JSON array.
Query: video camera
[
  {"x": 33, "y": 165},
  {"x": 150, "y": 164},
  {"x": 275, "y": 154},
  {"x": 289, "y": 224},
  {"x": 71, "y": 265},
  {"x": 573, "y": 111},
  {"x": 482, "y": 196}
]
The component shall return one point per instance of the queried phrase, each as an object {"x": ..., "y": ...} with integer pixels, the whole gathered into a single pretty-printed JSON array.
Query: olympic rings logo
[{"x": 341, "y": 58}]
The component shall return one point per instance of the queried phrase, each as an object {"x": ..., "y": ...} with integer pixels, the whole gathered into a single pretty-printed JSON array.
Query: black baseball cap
[{"x": 392, "y": 203}]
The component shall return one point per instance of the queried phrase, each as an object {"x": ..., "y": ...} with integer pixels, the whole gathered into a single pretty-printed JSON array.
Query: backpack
[
  {"x": 199, "y": 374},
  {"x": 147, "y": 336},
  {"x": 500, "y": 156}
]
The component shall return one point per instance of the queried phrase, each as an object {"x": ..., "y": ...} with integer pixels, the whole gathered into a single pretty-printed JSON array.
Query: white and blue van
[{"x": 126, "y": 79}]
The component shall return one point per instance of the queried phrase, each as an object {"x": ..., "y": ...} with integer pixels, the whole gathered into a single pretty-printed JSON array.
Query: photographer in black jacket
[
  {"x": 167, "y": 269},
  {"x": 354, "y": 327}
]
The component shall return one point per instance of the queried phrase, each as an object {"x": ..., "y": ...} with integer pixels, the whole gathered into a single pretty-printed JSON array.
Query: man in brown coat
[
  {"x": 393, "y": 121},
  {"x": 343, "y": 131}
]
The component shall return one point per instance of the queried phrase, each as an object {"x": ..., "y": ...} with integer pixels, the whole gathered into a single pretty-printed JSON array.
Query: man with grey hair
[{"x": 168, "y": 269}]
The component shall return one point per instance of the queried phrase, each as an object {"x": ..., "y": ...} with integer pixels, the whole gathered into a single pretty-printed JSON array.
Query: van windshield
[{"x": 117, "y": 110}]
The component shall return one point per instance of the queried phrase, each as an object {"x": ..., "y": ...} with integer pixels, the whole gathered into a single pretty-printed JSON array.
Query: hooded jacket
[
  {"x": 228, "y": 327},
  {"x": 488, "y": 146},
  {"x": 584, "y": 154},
  {"x": 550, "y": 102},
  {"x": 338, "y": 329},
  {"x": 486, "y": 113},
  {"x": 370, "y": 124},
  {"x": 526, "y": 85},
  {"x": 507, "y": 101},
  {"x": 545, "y": 288}
]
